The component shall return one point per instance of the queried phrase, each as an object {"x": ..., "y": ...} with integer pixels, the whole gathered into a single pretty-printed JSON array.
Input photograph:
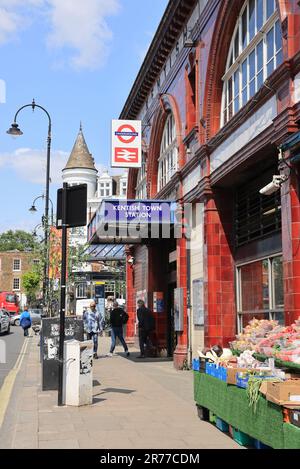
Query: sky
[{"x": 78, "y": 59}]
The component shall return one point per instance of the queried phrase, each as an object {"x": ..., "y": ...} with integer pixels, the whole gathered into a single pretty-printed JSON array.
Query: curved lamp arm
[{"x": 33, "y": 105}]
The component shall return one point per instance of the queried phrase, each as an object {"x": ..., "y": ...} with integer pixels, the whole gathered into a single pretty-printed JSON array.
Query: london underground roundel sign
[{"x": 126, "y": 144}]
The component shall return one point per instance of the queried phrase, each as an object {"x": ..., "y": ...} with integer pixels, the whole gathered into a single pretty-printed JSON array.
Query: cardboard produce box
[
  {"x": 231, "y": 374},
  {"x": 285, "y": 394}
]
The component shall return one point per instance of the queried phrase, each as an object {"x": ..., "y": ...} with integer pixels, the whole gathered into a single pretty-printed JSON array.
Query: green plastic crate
[
  {"x": 212, "y": 417},
  {"x": 242, "y": 439}
]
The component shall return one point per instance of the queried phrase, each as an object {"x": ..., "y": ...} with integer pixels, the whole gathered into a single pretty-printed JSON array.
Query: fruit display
[
  {"x": 252, "y": 334},
  {"x": 271, "y": 339}
]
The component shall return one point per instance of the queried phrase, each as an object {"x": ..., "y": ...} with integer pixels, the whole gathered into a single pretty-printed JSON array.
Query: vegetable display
[{"x": 271, "y": 340}]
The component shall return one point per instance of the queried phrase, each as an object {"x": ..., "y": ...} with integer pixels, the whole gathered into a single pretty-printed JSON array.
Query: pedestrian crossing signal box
[{"x": 76, "y": 206}]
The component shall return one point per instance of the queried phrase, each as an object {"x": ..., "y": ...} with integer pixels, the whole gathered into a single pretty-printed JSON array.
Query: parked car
[
  {"x": 35, "y": 314},
  {"x": 4, "y": 322}
]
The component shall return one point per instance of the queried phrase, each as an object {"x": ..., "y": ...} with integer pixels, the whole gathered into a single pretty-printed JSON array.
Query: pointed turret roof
[{"x": 80, "y": 156}]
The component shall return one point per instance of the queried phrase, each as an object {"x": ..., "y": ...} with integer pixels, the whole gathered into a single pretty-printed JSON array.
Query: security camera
[
  {"x": 131, "y": 260},
  {"x": 269, "y": 189}
]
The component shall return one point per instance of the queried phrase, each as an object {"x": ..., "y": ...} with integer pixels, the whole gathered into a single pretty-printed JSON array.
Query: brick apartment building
[{"x": 13, "y": 265}]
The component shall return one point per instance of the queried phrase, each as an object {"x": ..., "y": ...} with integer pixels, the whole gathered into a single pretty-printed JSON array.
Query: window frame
[
  {"x": 83, "y": 286},
  {"x": 20, "y": 265},
  {"x": 272, "y": 311},
  {"x": 235, "y": 62},
  {"x": 108, "y": 286},
  {"x": 19, "y": 284},
  {"x": 168, "y": 157}
]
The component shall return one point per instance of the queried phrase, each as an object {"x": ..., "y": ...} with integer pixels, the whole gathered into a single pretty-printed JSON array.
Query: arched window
[
  {"x": 81, "y": 290},
  {"x": 168, "y": 159},
  {"x": 141, "y": 185},
  {"x": 255, "y": 52}
]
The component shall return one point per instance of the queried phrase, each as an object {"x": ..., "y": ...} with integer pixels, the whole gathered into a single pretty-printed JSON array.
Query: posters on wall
[
  {"x": 178, "y": 309},
  {"x": 158, "y": 302},
  {"x": 198, "y": 303}
]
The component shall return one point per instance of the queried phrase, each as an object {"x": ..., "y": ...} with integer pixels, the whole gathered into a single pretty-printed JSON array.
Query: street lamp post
[
  {"x": 33, "y": 208},
  {"x": 34, "y": 231},
  {"x": 16, "y": 132}
]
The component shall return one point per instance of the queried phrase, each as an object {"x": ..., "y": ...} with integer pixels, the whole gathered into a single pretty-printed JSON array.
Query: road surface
[{"x": 14, "y": 342}]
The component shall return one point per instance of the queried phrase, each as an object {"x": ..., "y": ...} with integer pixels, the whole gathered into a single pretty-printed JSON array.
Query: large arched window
[
  {"x": 168, "y": 159},
  {"x": 255, "y": 52},
  {"x": 141, "y": 185}
]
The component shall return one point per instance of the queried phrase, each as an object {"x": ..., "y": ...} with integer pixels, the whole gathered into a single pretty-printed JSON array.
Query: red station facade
[{"x": 219, "y": 99}]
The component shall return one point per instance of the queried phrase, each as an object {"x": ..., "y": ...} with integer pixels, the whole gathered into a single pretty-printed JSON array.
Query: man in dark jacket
[
  {"x": 118, "y": 318},
  {"x": 146, "y": 325}
]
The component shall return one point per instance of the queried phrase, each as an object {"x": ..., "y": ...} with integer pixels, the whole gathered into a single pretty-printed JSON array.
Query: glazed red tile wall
[
  {"x": 220, "y": 312},
  {"x": 291, "y": 248}
]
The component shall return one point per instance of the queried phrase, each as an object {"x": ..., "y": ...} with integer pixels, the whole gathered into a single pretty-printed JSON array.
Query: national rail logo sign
[{"x": 126, "y": 144}]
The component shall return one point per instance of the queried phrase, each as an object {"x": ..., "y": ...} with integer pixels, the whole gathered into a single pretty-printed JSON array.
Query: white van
[{"x": 81, "y": 305}]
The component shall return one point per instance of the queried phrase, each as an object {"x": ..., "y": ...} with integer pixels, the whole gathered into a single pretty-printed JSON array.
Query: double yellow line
[{"x": 7, "y": 387}]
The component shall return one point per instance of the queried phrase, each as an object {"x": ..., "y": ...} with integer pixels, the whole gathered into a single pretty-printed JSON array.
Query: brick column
[
  {"x": 219, "y": 296},
  {"x": 291, "y": 247}
]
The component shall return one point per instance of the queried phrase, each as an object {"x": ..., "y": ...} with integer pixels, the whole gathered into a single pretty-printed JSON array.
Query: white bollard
[{"x": 78, "y": 373}]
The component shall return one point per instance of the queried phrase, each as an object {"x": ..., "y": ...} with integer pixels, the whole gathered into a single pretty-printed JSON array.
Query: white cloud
[
  {"x": 77, "y": 27},
  {"x": 81, "y": 26},
  {"x": 13, "y": 18},
  {"x": 30, "y": 165}
]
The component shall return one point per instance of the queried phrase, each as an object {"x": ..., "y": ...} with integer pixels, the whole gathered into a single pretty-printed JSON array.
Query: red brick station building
[{"x": 218, "y": 95}]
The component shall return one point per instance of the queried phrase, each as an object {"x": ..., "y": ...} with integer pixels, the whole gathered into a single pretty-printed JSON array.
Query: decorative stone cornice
[{"x": 175, "y": 16}]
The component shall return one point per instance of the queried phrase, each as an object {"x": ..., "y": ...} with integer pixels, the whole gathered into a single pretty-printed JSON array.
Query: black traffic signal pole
[{"x": 62, "y": 294}]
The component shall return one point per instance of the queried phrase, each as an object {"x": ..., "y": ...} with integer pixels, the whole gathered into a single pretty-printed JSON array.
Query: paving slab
[{"x": 135, "y": 405}]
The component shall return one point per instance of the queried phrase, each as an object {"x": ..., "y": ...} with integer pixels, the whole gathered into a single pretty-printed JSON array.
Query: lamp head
[
  {"x": 14, "y": 130},
  {"x": 33, "y": 209}
]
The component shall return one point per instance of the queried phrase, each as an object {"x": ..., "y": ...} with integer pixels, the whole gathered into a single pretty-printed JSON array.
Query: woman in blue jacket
[{"x": 25, "y": 321}]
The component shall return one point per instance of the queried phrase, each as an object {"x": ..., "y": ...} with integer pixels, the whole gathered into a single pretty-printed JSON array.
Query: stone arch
[
  {"x": 167, "y": 104},
  {"x": 221, "y": 40}
]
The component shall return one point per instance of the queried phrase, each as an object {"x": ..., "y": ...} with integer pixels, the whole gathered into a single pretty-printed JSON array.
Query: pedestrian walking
[
  {"x": 92, "y": 325},
  {"x": 146, "y": 326},
  {"x": 118, "y": 317},
  {"x": 25, "y": 321}
]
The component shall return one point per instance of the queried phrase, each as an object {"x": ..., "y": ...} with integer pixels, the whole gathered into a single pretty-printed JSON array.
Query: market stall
[{"x": 252, "y": 392}]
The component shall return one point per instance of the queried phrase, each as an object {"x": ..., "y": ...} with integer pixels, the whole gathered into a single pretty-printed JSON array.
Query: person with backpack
[
  {"x": 146, "y": 326},
  {"x": 118, "y": 317},
  {"x": 25, "y": 321}
]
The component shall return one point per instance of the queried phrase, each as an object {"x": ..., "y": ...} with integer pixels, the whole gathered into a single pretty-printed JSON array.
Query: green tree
[
  {"x": 20, "y": 240},
  {"x": 31, "y": 283}
]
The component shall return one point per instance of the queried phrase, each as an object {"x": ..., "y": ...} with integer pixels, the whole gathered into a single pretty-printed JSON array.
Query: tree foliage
[
  {"x": 31, "y": 281},
  {"x": 20, "y": 240}
]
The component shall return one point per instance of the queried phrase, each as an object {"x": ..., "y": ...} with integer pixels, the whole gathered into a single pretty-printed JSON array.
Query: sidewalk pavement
[{"x": 138, "y": 404}]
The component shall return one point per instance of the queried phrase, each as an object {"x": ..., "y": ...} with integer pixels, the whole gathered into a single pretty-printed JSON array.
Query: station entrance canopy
[
  {"x": 105, "y": 252},
  {"x": 134, "y": 221}
]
